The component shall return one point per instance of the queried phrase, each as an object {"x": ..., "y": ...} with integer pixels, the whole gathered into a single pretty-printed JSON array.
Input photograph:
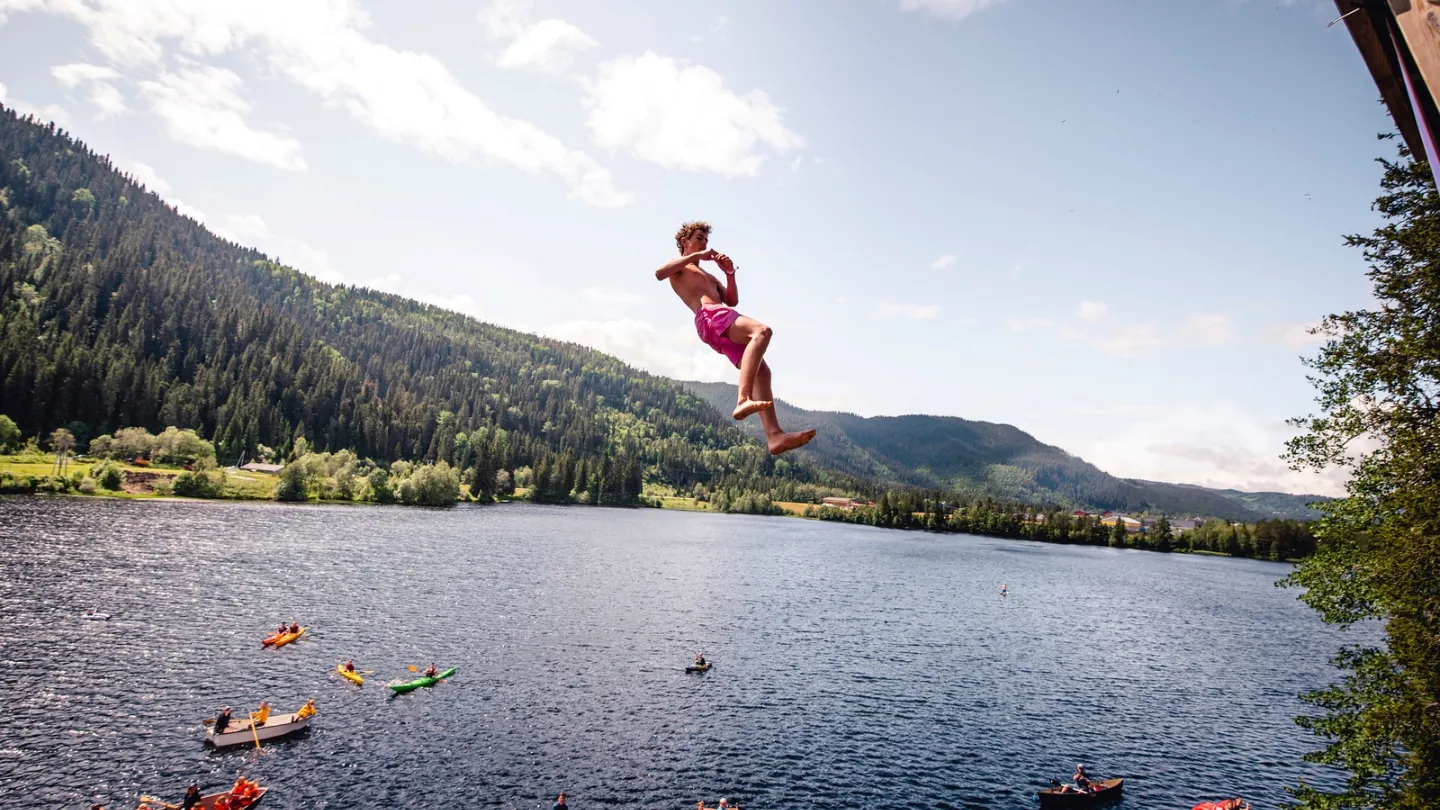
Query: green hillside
[{"x": 999, "y": 461}]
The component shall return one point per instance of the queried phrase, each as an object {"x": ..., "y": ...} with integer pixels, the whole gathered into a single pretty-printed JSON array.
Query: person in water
[
  {"x": 742, "y": 340},
  {"x": 431, "y": 671},
  {"x": 222, "y": 721},
  {"x": 192, "y": 797},
  {"x": 560, "y": 803}
]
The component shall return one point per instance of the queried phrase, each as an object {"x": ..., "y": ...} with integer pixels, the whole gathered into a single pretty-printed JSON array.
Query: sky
[{"x": 1107, "y": 223}]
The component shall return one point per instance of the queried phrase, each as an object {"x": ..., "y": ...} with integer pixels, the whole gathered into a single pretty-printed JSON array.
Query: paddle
[
  {"x": 253, "y": 732},
  {"x": 152, "y": 800}
]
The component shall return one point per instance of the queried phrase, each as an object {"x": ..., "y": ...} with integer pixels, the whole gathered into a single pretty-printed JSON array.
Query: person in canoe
[
  {"x": 222, "y": 721},
  {"x": 431, "y": 671},
  {"x": 1081, "y": 779},
  {"x": 262, "y": 714}
]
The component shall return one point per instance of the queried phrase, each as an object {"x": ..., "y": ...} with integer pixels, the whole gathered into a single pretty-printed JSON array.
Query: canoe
[
  {"x": 411, "y": 686},
  {"x": 705, "y": 668},
  {"x": 281, "y": 639},
  {"x": 238, "y": 732},
  {"x": 207, "y": 802},
  {"x": 348, "y": 675},
  {"x": 1103, "y": 790},
  {"x": 96, "y": 617}
]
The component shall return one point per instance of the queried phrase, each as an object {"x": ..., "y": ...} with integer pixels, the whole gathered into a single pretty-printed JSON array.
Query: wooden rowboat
[
  {"x": 239, "y": 733},
  {"x": 1102, "y": 790},
  {"x": 207, "y": 802}
]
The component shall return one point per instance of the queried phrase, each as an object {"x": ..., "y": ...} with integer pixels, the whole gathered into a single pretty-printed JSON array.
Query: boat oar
[
  {"x": 253, "y": 732},
  {"x": 152, "y": 800},
  {"x": 413, "y": 668}
]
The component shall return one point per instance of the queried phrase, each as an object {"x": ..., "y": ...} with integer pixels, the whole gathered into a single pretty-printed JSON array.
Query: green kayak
[{"x": 419, "y": 682}]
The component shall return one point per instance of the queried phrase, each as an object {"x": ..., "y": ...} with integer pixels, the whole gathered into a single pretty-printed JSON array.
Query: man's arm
[
  {"x": 732, "y": 292},
  {"x": 674, "y": 266}
]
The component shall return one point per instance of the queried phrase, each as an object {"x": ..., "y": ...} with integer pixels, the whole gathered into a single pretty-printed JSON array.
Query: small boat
[
  {"x": 1102, "y": 790},
  {"x": 239, "y": 733},
  {"x": 96, "y": 617},
  {"x": 410, "y": 686},
  {"x": 1236, "y": 803},
  {"x": 281, "y": 639},
  {"x": 207, "y": 802},
  {"x": 348, "y": 675},
  {"x": 700, "y": 668}
]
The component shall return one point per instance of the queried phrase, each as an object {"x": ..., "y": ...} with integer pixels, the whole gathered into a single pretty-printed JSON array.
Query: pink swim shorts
[{"x": 711, "y": 323}]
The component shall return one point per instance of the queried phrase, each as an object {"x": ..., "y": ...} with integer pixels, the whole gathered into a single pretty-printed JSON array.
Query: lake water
[{"x": 854, "y": 667}]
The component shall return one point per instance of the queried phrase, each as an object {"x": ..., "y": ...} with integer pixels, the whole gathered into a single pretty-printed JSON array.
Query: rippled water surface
[{"x": 855, "y": 668}]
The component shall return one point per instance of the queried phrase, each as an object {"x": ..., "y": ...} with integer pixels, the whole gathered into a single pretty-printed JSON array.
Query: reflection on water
[{"x": 854, "y": 667}]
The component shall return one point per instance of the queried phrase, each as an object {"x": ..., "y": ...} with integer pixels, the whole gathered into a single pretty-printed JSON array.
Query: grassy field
[{"x": 244, "y": 485}]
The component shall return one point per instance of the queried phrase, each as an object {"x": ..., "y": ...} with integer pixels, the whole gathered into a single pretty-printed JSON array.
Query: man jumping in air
[{"x": 739, "y": 338}]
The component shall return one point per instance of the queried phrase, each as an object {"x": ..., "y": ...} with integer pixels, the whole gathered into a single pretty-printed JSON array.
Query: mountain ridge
[{"x": 998, "y": 460}]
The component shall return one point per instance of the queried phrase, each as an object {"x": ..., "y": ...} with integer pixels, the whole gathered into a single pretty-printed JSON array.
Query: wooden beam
[{"x": 1368, "y": 22}]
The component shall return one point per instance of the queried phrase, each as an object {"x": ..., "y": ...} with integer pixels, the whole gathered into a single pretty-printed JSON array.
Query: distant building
[
  {"x": 1132, "y": 525},
  {"x": 269, "y": 469},
  {"x": 1079, "y": 513}
]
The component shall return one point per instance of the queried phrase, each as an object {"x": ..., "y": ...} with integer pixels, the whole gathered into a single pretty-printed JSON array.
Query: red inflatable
[{"x": 1228, "y": 804}]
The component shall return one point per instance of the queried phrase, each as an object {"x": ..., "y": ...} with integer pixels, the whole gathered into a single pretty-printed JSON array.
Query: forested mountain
[
  {"x": 115, "y": 311},
  {"x": 984, "y": 459}
]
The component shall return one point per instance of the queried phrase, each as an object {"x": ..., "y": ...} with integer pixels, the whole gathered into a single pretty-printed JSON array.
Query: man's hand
[
  {"x": 725, "y": 263},
  {"x": 707, "y": 255}
]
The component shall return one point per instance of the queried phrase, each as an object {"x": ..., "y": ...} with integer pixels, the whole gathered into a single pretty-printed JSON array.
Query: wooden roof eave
[{"x": 1380, "y": 57}]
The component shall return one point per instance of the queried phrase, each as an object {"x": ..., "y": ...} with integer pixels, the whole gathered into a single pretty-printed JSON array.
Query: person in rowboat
[
  {"x": 262, "y": 714},
  {"x": 1080, "y": 779},
  {"x": 192, "y": 797},
  {"x": 431, "y": 671},
  {"x": 222, "y": 721}
]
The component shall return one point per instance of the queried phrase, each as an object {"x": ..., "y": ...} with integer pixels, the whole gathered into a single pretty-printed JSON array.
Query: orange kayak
[{"x": 281, "y": 639}]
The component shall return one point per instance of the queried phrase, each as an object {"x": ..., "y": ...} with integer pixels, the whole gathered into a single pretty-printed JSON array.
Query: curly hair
[{"x": 687, "y": 230}]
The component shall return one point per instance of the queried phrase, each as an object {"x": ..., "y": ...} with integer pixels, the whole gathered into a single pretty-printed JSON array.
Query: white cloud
[
  {"x": 103, "y": 94},
  {"x": 147, "y": 177},
  {"x": 152, "y": 181},
  {"x": 1297, "y": 335},
  {"x": 640, "y": 345},
  {"x": 316, "y": 262},
  {"x": 50, "y": 112},
  {"x": 202, "y": 107},
  {"x": 404, "y": 96},
  {"x": 1215, "y": 445},
  {"x": 1091, "y": 310},
  {"x": 1131, "y": 341},
  {"x": 916, "y": 312},
  {"x": 948, "y": 9},
  {"x": 1026, "y": 324},
  {"x": 1207, "y": 330},
  {"x": 607, "y": 297},
  {"x": 683, "y": 117},
  {"x": 547, "y": 47},
  {"x": 250, "y": 226},
  {"x": 943, "y": 262}
]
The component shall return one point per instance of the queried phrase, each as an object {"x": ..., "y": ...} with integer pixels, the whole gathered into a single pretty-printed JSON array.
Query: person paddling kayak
[{"x": 431, "y": 671}]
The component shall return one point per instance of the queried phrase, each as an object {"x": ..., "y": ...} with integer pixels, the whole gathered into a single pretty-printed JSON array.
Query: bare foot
[
  {"x": 749, "y": 406},
  {"x": 785, "y": 442}
]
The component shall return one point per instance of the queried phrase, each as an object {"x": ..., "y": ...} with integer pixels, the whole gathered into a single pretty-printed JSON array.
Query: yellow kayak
[
  {"x": 288, "y": 637},
  {"x": 348, "y": 675}
]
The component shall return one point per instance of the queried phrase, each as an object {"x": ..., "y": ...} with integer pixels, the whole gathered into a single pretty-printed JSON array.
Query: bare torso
[{"x": 696, "y": 287}]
